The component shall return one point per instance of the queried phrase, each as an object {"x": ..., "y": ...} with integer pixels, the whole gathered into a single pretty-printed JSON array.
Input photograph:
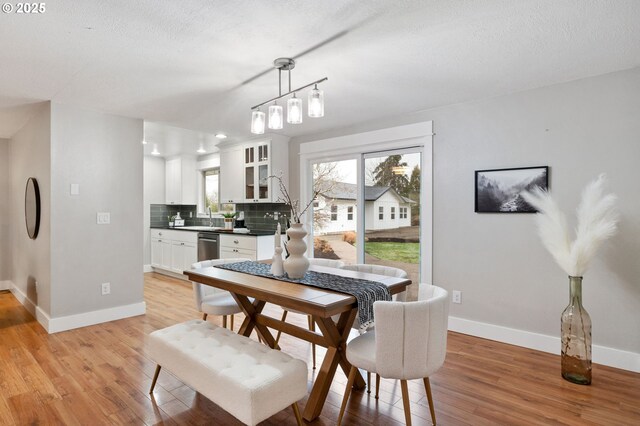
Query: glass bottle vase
[{"x": 576, "y": 337}]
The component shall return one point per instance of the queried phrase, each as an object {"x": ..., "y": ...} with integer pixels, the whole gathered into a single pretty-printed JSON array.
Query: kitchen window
[
  {"x": 334, "y": 212},
  {"x": 211, "y": 193},
  {"x": 350, "y": 213},
  {"x": 381, "y": 213},
  {"x": 393, "y": 213}
]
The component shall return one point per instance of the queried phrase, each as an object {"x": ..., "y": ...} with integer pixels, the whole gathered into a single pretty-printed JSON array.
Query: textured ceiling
[{"x": 183, "y": 62}]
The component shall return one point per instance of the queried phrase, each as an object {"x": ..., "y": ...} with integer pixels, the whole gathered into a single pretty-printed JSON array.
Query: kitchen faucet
[{"x": 210, "y": 219}]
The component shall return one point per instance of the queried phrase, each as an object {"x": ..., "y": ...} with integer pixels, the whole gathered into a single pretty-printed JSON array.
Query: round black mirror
[{"x": 32, "y": 208}]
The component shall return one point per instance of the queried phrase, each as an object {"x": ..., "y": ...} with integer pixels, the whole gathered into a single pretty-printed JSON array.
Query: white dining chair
[
  {"x": 211, "y": 301},
  {"x": 409, "y": 342},
  {"x": 330, "y": 263},
  {"x": 388, "y": 271}
]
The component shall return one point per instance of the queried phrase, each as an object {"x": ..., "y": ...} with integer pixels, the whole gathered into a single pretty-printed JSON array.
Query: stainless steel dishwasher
[{"x": 208, "y": 246}]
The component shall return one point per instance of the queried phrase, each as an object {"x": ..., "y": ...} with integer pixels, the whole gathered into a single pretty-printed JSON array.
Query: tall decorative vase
[
  {"x": 576, "y": 337},
  {"x": 296, "y": 264}
]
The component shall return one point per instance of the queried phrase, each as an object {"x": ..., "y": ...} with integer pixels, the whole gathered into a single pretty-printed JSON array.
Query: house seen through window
[{"x": 334, "y": 212}]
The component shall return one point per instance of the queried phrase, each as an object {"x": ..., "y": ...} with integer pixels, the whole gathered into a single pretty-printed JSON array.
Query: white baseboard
[
  {"x": 601, "y": 355},
  {"x": 55, "y": 325},
  {"x": 147, "y": 268},
  {"x": 170, "y": 273},
  {"x": 5, "y": 285},
  {"x": 85, "y": 319}
]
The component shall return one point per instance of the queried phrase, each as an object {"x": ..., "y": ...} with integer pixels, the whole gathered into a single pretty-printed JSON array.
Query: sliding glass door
[
  {"x": 392, "y": 210},
  {"x": 368, "y": 210}
]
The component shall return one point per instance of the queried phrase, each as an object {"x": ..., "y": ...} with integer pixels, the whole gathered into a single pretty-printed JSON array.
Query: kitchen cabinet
[
  {"x": 181, "y": 180},
  {"x": 245, "y": 169},
  {"x": 183, "y": 255},
  {"x": 173, "y": 251},
  {"x": 231, "y": 175},
  {"x": 246, "y": 246}
]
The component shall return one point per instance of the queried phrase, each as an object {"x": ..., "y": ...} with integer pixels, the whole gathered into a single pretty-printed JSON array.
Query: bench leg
[
  {"x": 296, "y": 411},
  {"x": 232, "y": 316},
  {"x": 312, "y": 327},
  {"x": 204, "y": 316},
  {"x": 155, "y": 377}
]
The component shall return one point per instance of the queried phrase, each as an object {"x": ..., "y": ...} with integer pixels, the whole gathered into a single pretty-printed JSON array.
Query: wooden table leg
[
  {"x": 251, "y": 310},
  {"x": 335, "y": 335}
]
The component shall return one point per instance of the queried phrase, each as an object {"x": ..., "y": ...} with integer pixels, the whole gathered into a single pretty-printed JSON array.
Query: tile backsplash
[{"x": 257, "y": 216}]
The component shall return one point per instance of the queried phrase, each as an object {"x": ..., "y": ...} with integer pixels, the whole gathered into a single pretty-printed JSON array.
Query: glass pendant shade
[
  {"x": 257, "y": 122},
  {"x": 294, "y": 110},
  {"x": 276, "y": 116},
  {"x": 316, "y": 103}
]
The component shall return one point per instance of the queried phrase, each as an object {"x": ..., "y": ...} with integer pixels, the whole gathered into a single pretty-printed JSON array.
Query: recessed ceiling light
[
  {"x": 155, "y": 150},
  {"x": 221, "y": 136},
  {"x": 201, "y": 150},
  {"x": 144, "y": 141}
]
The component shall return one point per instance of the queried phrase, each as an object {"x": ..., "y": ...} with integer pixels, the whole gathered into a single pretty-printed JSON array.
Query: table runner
[{"x": 365, "y": 291}]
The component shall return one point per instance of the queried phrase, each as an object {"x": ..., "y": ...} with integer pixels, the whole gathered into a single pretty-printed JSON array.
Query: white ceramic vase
[
  {"x": 296, "y": 264},
  {"x": 228, "y": 223}
]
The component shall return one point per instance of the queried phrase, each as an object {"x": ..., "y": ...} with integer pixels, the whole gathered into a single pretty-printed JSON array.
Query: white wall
[
  {"x": 579, "y": 129},
  {"x": 30, "y": 156},
  {"x": 103, "y": 153},
  {"x": 5, "y": 236},
  {"x": 154, "y": 193}
]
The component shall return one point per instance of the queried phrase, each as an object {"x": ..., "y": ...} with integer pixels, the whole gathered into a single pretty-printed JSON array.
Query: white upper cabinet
[
  {"x": 245, "y": 170},
  {"x": 231, "y": 175},
  {"x": 181, "y": 180}
]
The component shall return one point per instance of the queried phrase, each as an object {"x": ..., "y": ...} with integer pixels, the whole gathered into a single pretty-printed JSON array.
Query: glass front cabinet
[{"x": 257, "y": 185}]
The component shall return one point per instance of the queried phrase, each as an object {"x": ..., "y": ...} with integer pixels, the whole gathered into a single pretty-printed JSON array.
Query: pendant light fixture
[
  {"x": 315, "y": 106},
  {"x": 294, "y": 104},
  {"x": 275, "y": 116},
  {"x": 257, "y": 122},
  {"x": 294, "y": 110}
]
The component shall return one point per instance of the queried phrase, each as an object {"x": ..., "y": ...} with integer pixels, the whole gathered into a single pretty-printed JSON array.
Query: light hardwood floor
[{"x": 101, "y": 375}]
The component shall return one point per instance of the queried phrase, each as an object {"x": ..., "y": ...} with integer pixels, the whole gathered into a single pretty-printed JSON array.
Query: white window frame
[
  {"x": 349, "y": 212},
  {"x": 331, "y": 212},
  {"x": 354, "y": 146},
  {"x": 380, "y": 212},
  {"x": 392, "y": 214}
]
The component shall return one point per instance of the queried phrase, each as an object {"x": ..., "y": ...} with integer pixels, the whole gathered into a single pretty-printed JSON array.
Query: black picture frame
[{"x": 497, "y": 190}]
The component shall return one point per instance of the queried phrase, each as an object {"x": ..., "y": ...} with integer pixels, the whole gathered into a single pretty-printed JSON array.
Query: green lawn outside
[{"x": 399, "y": 252}]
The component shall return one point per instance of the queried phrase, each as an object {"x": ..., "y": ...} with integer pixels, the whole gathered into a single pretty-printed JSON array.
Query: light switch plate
[
  {"x": 75, "y": 189},
  {"x": 104, "y": 218}
]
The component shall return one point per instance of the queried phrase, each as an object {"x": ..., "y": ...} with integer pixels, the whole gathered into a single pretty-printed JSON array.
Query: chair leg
[
  {"x": 155, "y": 378},
  {"x": 296, "y": 412},
  {"x": 204, "y": 316},
  {"x": 427, "y": 387},
  {"x": 312, "y": 327},
  {"x": 284, "y": 317},
  {"x": 232, "y": 316},
  {"x": 377, "y": 385},
  {"x": 368, "y": 381},
  {"x": 224, "y": 321},
  {"x": 347, "y": 392},
  {"x": 405, "y": 401}
]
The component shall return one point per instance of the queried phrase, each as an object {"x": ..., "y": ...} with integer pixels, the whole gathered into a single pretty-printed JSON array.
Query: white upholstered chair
[
  {"x": 409, "y": 342},
  {"x": 211, "y": 301},
  {"x": 388, "y": 271},
  {"x": 330, "y": 263}
]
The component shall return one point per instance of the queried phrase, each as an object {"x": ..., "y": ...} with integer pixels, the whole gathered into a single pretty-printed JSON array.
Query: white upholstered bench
[{"x": 247, "y": 379}]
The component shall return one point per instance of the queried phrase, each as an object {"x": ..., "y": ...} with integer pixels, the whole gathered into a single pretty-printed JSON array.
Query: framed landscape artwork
[{"x": 498, "y": 191}]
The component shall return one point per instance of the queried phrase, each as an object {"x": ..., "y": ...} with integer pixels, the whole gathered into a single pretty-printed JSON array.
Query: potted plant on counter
[{"x": 228, "y": 219}]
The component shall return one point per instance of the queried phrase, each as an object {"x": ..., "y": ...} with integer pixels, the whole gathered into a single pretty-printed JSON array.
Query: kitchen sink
[{"x": 200, "y": 228}]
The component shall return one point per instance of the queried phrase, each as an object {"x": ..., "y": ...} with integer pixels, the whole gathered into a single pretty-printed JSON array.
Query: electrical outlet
[
  {"x": 106, "y": 288},
  {"x": 457, "y": 296},
  {"x": 276, "y": 215},
  {"x": 103, "y": 218}
]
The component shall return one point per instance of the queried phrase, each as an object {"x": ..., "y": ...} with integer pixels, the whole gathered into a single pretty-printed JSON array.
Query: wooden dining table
[{"x": 319, "y": 303}]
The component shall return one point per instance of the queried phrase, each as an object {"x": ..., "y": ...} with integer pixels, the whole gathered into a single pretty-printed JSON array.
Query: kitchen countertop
[{"x": 254, "y": 233}]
